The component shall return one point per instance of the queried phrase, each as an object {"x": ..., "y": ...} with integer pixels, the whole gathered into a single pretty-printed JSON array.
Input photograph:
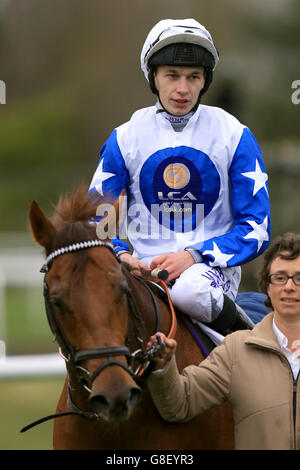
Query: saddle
[{"x": 204, "y": 340}]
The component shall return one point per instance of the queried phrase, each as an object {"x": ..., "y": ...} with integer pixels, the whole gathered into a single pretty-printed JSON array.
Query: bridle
[{"x": 74, "y": 357}]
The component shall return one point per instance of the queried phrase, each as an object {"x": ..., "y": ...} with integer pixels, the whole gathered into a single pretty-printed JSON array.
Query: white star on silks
[
  {"x": 220, "y": 258},
  {"x": 100, "y": 177},
  {"x": 259, "y": 232},
  {"x": 259, "y": 178}
]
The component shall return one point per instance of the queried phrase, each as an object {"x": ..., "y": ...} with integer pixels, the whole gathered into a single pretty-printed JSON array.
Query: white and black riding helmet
[{"x": 179, "y": 43}]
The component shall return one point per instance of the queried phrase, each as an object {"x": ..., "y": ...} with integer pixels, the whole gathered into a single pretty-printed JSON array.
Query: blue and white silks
[{"x": 204, "y": 187}]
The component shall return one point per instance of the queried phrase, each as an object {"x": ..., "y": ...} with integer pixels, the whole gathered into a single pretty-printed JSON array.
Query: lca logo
[
  {"x": 177, "y": 175},
  {"x": 2, "y": 92}
]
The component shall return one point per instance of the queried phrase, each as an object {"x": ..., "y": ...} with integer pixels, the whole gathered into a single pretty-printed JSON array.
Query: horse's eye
[
  {"x": 57, "y": 303},
  {"x": 121, "y": 290},
  {"x": 124, "y": 287}
]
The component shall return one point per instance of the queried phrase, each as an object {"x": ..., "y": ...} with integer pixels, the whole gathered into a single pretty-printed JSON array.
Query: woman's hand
[{"x": 167, "y": 352}]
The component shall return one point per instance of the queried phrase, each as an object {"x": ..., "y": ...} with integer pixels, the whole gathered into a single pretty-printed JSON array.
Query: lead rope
[{"x": 173, "y": 328}]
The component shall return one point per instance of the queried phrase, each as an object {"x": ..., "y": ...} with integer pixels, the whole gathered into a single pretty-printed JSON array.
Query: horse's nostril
[
  {"x": 99, "y": 403},
  {"x": 117, "y": 404},
  {"x": 135, "y": 396}
]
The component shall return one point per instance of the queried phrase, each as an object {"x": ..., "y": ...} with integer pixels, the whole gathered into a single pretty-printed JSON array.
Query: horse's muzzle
[{"x": 116, "y": 405}]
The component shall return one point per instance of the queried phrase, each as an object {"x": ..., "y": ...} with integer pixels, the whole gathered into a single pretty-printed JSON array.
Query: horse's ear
[{"x": 41, "y": 227}]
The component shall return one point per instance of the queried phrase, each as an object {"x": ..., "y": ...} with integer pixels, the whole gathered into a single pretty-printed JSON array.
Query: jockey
[{"x": 197, "y": 200}]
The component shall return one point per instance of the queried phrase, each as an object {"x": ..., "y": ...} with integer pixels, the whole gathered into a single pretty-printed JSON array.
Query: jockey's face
[{"x": 179, "y": 87}]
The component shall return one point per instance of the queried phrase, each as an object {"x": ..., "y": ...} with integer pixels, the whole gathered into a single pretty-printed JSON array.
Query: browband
[{"x": 74, "y": 247}]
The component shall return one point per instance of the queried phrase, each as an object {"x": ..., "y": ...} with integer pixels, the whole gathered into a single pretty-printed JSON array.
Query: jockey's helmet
[{"x": 179, "y": 43}]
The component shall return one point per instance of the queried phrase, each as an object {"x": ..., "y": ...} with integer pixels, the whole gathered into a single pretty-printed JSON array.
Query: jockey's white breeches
[{"x": 199, "y": 290}]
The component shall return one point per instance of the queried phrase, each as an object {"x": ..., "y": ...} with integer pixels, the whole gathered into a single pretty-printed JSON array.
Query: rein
[{"x": 73, "y": 357}]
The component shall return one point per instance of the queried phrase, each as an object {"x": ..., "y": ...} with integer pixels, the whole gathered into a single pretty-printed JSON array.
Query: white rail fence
[
  {"x": 32, "y": 366},
  {"x": 20, "y": 267}
]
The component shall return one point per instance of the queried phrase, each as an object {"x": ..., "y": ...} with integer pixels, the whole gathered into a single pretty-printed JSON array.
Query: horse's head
[{"x": 86, "y": 294}]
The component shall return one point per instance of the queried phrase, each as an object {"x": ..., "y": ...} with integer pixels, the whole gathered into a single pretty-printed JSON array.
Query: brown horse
[{"x": 102, "y": 317}]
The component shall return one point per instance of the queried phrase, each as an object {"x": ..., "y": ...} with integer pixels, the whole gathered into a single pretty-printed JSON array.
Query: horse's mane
[{"x": 73, "y": 217}]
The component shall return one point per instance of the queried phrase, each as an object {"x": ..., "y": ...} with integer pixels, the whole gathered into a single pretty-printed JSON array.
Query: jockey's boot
[{"x": 231, "y": 318}]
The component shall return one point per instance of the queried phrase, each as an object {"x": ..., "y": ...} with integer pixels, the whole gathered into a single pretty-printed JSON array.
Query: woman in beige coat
[{"x": 257, "y": 371}]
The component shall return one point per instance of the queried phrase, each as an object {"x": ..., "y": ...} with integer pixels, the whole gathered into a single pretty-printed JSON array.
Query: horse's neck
[{"x": 152, "y": 307}]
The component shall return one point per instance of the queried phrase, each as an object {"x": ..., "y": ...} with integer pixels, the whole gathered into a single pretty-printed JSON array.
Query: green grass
[
  {"x": 27, "y": 327},
  {"x": 22, "y": 402}
]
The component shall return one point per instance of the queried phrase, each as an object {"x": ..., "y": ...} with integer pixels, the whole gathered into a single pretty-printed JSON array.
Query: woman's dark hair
[{"x": 286, "y": 246}]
